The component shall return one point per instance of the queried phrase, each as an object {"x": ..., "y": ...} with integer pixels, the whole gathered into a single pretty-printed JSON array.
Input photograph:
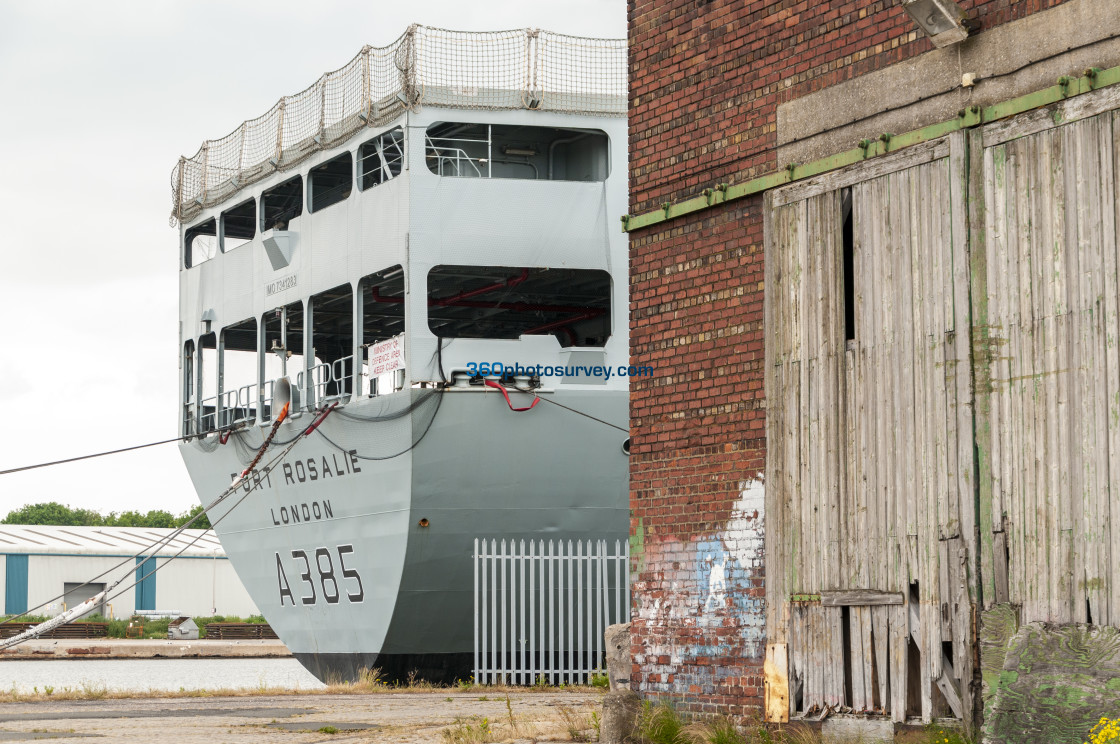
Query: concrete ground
[
  {"x": 152, "y": 648},
  {"x": 399, "y": 717}
]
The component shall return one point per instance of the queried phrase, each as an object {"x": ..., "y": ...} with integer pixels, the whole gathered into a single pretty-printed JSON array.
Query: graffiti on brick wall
[{"x": 701, "y": 605}]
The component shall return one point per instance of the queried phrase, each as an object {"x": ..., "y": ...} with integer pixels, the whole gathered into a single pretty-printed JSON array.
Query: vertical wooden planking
[
  {"x": 987, "y": 254},
  {"x": 1109, "y": 557},
  {"x": 1087, "y": 438},
  {"x": 961, "y": 339},
  {"x": 865, "y": 659},
  {"x": 898, "y": 618},
  {"x": 776, "y": 356},
  {"x": 1003, "y": 227},
  {"x": 1065, "y": 288},
  {"x": 963, "y": 636},
  {"x": 881, "y": 646},
  {"x": 1079, "y": 186},
  {"x": 869, "y": 522},
  {"x": 1019, "y": 184}
]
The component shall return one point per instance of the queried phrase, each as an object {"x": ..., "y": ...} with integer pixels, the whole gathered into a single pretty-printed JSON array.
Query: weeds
[
  {"x": 578, "y": 727},
  {"x": 662, "y": 724},
  {"x": 93, "y": 691},
  {"x": 936, "y": 734},
  {"x": 600, "y": 680},
  {"x": 328, "y": 730},
  {"x": 719, "y": 731},
  {"x": 467, "y": 732}
]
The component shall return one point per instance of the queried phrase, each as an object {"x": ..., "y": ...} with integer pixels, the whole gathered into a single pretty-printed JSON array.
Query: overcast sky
[{"x": 98, "y": 102}]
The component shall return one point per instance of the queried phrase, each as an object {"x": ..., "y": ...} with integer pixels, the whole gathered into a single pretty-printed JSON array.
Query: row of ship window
[
  {"x": 451, "y": 149},
  {"x": 222, "y": 368}
]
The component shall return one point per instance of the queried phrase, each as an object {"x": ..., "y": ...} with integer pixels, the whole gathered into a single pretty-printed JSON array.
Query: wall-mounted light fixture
[
  {"x": 943, "y": 21},
  {"x": 526, "y": 151}
]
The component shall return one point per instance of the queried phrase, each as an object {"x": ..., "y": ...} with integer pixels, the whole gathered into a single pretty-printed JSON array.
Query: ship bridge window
[
  {"x": 503, "y": 151},
  {"x": 382, "y": 340},
  {"x": 237, "y": 377},
  {"x": 281, "y": 204},
  {"x": 332, "y": 338},
  {"x": 200, "y": 243},
  {"x": 239, "y": 225},
  {"x": 508, "y": 302},
  {"x": 380, "y": 159},
  {"x": 330, "y": 182},
  {"x": 283, "y": 340}
]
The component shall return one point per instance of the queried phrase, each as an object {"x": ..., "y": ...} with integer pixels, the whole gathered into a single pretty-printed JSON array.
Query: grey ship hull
[{"x": 394, "y": 538}]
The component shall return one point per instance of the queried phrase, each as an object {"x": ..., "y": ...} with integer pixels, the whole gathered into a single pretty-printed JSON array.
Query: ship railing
[
  {"x": 329, "y": 381},
  {"x": 189, "y": 428},
  {"x": 208, "y": 415},
  {"x": 451, "y": 154},
  {"x": 541, "y": 608},
  {"x": 519, "y": 69},
  {"x": 238, "y": 406}
]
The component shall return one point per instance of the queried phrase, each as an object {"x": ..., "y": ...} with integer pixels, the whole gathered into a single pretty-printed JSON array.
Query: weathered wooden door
[
  {"x": 871, "y": 514},
  {"x": 1048, "y": 373}
]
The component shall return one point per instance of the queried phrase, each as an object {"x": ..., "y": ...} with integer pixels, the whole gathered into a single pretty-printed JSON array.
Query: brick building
[{"x": 756, "y": 126}]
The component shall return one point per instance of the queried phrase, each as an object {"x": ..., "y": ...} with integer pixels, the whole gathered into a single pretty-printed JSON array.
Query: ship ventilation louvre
[{"x": 499, "y": 70}]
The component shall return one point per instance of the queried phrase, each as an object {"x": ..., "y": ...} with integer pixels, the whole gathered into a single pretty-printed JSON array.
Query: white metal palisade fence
[{"x": 541, "y": 608}]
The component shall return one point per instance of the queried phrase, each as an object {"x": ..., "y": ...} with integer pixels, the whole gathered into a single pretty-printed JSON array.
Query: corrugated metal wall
[
  {"x": 870, "y": 441},
  {"x": 954, "y": 444}
]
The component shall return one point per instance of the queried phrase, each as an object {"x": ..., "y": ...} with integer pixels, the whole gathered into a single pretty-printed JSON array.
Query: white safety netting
[{"x": 521, "y": 69}]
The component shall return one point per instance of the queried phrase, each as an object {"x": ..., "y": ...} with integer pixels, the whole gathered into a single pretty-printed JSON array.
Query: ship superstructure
[{"x": 431, "y": 218}]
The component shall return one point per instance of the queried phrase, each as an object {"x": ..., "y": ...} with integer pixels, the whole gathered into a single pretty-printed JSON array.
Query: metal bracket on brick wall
[{"x": 1093, "y": 78}]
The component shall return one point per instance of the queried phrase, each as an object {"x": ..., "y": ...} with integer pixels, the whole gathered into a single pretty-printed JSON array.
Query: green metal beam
[{"x": 1093, "y": 79}]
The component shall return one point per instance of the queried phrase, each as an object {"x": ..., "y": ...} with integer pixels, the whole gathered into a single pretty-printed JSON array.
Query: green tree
[
  {"x": 203, "y": 522},
  {"x": 154, "y": 518},
  {"x": 54, "y": 513}
]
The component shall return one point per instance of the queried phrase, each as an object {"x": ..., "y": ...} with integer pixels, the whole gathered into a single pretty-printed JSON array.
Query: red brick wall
[
  {"x": 707, "y": 76},
  {"x": 706, "y": 79},
  {"x": 696, "y": 317}
]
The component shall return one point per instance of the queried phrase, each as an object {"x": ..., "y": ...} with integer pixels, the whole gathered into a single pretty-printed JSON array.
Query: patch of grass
[
  {"x": 662, "y": 724},
  {"x": 719, "y": 731},
  {"x": 580, "y": 727},
  {"x": 600, "y": 680},
  {"x": 328, "y": 730},
  {"x": 93, "y": 691},
  {"x": 470, "y": 731}
]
